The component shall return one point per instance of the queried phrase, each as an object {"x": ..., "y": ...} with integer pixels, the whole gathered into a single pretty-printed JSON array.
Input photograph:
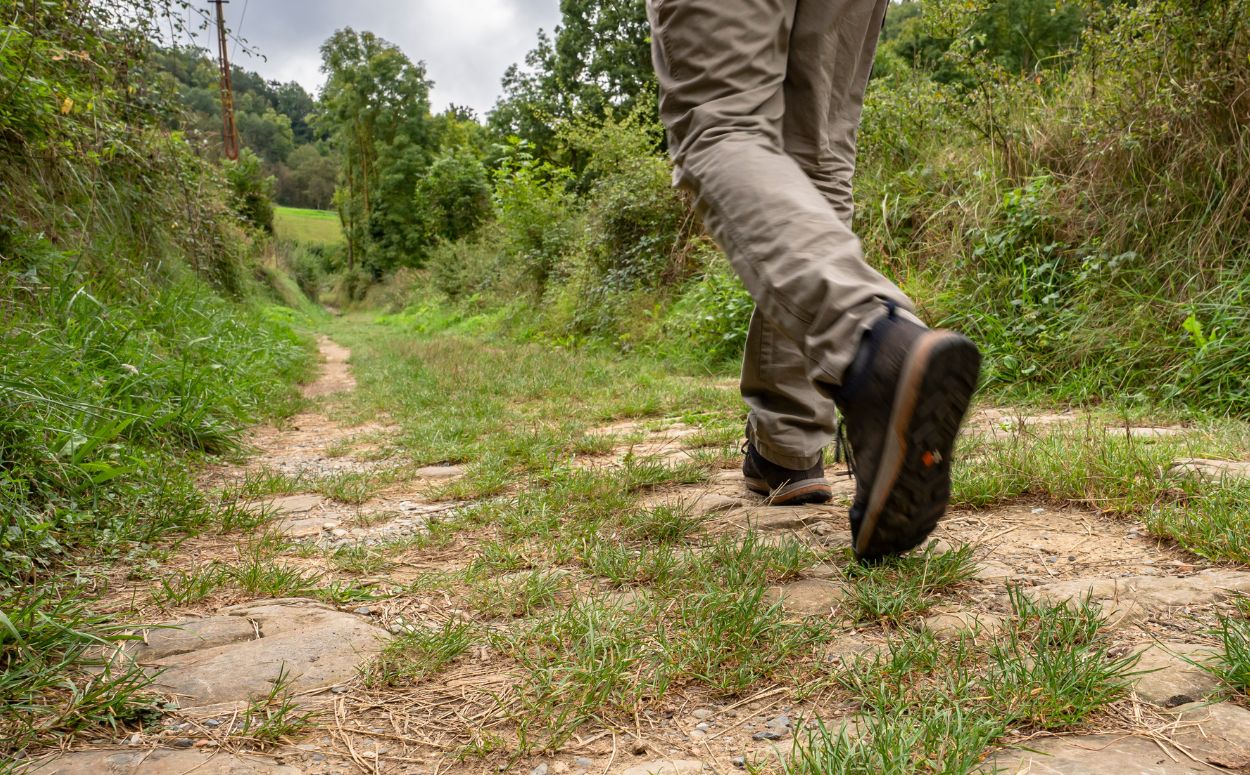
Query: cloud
[{"x": 465, "y": 44}]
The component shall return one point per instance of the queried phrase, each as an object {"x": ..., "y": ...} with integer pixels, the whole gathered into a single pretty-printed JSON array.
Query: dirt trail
[{"x": 232, "y": 647}]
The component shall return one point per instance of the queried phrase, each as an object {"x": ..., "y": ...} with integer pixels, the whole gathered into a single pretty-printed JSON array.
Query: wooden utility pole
[{"x": 229, "y": 132}]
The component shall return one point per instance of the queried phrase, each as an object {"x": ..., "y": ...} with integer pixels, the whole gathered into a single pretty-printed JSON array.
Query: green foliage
[
  {"x": 454, "y": 196},
  {"x": 55, "y": 673},
  {"x": 710, "y": 319},
  {"x": 89, "y": 451},
  {"x": 535, "y": 213},
  {"x": 307, "y": 179},
  {"x": 1085, "y": 224},
  {"x": 251, "y": 190}
]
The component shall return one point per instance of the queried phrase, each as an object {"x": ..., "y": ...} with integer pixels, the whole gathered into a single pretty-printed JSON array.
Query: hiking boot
[
  {"x": 784, "y": 486},
  {"x": 902, "y": 402}
]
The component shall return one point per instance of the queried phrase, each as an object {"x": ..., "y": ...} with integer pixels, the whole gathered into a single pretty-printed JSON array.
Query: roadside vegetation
[{"x": 137, "y": 334}]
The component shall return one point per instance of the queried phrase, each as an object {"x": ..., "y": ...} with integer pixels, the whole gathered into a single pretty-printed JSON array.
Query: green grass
[
  {"x": 903, "y": 587},
  {"x": 55, "y": 676},
  {"x": 314, "y": 227},
  {"x": 1233, "y": 663},
  {"x": 1094, "y": 467},
  {"x": 415, "y": 655},
  {"x": 925, "y": 706}
]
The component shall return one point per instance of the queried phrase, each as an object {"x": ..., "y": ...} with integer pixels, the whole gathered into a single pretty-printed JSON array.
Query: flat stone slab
[
  {"x": 1218, "y": 734},
  {"x": 709, "y": 503},
  {"x": 158, "y": 762},
  {"x": 1169, "y": 677},
  {"x": 439, "y": 472},
  {"x": 666, "y": 767},
  {"x": 1209, "y": 470},
  {"x": 1093, "y": 755},
  {"x": 237, "y": 654},
  {"x": 1124, "y": 598},
  {"x": 808, "y": 597},
  {"x": 780, "y": 517},
  {"x": 953, "y": 624}
]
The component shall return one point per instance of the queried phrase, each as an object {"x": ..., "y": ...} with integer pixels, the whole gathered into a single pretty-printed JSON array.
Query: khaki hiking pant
[{"x": 762, "y": 100}]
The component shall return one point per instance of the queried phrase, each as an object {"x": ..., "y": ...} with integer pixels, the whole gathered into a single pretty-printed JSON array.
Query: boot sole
[
  {"x": 912, "y": 486},
  {"x": 805, "y": 491}
]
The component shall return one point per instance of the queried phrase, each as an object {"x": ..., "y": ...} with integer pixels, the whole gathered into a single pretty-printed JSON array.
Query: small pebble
[
  {"x": 703, "y": 713},
  {"x": 740, "y": 762},
  {"x": 583, "y": 762},
  {"x": 766, "y": 734},
  {"x": 781, "y": 722},
  {"x": 539, "y": 770},
  {"x": 703, "y": 726},
  {"x": 364, "y": 610},
  {"x": 697, "y": 733},
  {"x": 212, "y": 723},
  {"x": 638, "y": 748},
  {"x": 183, "y": 742},
  {"x": 338, "y": 690},
  {"x": 329, "y": 526},
  {"x": 340, "y": 533},
  {"x": 318, "y": 757}
]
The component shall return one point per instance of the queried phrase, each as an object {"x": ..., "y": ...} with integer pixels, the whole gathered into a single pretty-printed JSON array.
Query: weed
[
  {"x": 1233, "y": 664},
  {"x": 732, "y": 638},
  {"x": 261, "y": 576},
  {"x": 57, "y": 675},
  {"x": 186, "y": 587},
  {"x": 360, "y": 560},
  {"x": 1050, "y": 668},
  {"x": 519, "y": 595},
  {"x": 275, "y": 718},
  {"x": 666, "y": 524},
  {"x": 412, "y": 656},
  {"x": 902, "y": 587}
]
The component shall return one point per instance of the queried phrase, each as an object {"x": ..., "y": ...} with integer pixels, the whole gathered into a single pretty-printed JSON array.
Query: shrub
[
  {"x": 251, "y": 190},
  {"x": 454, "y": 197}
]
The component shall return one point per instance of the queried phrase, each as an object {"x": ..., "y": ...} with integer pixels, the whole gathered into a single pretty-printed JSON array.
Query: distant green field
[{"x": 318, "y": 227}]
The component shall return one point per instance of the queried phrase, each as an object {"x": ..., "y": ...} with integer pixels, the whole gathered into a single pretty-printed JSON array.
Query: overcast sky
[{"x": 466, "y": 44}]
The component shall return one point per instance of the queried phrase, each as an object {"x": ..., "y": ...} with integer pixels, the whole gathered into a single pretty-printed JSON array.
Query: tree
[
  {"x": 376, "y": 111},
  {"x": 598, "y": 62},
  {"x": 268, "y": 134}
]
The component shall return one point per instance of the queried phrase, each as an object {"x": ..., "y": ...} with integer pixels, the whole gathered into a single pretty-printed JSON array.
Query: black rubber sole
[
  {"x": 808, "y": 491},
  {"x": 912, "y": 485}
]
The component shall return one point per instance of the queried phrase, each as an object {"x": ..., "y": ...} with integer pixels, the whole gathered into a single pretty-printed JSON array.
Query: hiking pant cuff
[{"x": 781, "y": 457}]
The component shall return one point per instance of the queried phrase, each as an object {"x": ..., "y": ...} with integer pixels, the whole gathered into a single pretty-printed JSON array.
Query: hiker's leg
[
  {"x": 831, "y": 53},
  {"x": 790, "y": 420},
  {"x": 829, "y": 62},
  {"x": 723, "y": 68}
]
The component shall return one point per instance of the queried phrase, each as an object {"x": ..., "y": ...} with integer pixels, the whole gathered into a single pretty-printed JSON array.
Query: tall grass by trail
[{"x": 134, "y": 339}]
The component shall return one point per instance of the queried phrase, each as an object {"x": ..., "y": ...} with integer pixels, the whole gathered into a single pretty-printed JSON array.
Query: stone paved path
[{"x": 213, "y": 662}]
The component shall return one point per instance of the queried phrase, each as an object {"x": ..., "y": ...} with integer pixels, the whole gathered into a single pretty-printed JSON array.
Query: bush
[
  {"x": 251, "y": 190},
  {"x": 454, "y": 197},
  {"x": 711, "y": 318}
]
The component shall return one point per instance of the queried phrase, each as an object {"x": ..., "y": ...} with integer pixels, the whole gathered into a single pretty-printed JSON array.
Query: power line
[{"x": 238, "y": 32}]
